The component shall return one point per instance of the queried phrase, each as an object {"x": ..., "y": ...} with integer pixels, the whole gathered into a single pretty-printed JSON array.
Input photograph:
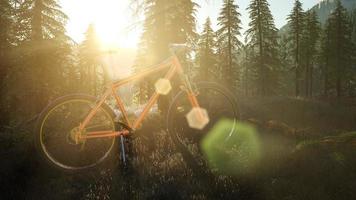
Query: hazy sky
[{"x": 114, "y": 22}]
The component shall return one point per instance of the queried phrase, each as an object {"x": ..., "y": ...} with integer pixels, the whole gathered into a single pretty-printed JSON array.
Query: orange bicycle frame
[{"x": 173, "y": 66}]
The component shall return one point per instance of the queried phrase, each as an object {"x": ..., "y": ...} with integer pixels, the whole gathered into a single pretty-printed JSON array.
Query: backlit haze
[{"x": 117, "y": 28}]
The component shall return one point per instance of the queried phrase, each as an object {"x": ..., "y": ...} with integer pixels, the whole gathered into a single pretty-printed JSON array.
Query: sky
[{"x": 114, "y": 20}]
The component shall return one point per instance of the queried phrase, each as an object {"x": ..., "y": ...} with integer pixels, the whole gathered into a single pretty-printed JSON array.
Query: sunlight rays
[{"x": 111, "y": 18}]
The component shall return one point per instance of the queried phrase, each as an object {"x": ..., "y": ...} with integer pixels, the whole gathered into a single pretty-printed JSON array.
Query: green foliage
[
  {"x": 338, "y": 50},
  {"x": 93, "y": 74},
  {"x": 262, "y": 37},
  {"x": 285, "y": 52},
  {"x": 353, "y": 25},
  {"x": 206, "y": 56},
  {"x": 229, "y": 30},
  {"x": 296, "y": 20},
  {"x": 309, "y": 42},
  {"x": 6, "y": 37},
  {"x": 165, "y": 22},
  {"x": 40, "y": 56}
]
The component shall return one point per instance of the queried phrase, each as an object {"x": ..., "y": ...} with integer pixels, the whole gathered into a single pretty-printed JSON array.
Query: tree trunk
[
  {"x": 307, "y": 78},
  {"x": 338, "y": 86},
  {"x": 311, "y": 80},
  {"x": 262, "y": 74},
  {"x": 297, "y": 74},
  {"x": 229, "y": 71},
  {"x": 326, "y": 81}
]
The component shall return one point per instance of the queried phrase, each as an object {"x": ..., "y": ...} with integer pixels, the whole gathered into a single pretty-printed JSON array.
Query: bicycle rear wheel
[
  {"x": 219, "y": 103},
  {"x": 54, "y": 133}
]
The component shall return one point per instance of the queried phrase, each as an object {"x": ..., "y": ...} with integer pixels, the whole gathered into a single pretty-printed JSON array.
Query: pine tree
[
  {"x": 296, "y": 21},
  {"x": 45, "y": 49},
  {"x": 339, "y": 47},
  {"x": 287, "y": 86},
  {"x": 353, "y": 38},
  {"x": 309, "y": 40},
  {"x": 228, "y": 33},
  {"x": 248, "y": 70},
  {"x": 51, "y": 48},
  {"x": 22, "y": 18},
  {"x": 166, "y": 22},
  {"x": 324, "y": 59},
  {"x": 262, "y": 36},
  {"x": 90, "y": 62},
  {"x": 144, "y": 87},
  {"x": 353, "y": 25},
  {"x": 6, "y": 16},
  {"x": 5, "y": 38},
  {"x": 206, "y": 57}
]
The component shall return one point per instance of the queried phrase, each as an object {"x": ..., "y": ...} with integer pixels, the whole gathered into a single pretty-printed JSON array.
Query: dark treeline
[{"x": 39, "y": 62}]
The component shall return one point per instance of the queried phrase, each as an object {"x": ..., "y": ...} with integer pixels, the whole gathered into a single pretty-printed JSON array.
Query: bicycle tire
[
  {"x": 43, "y": 124},
  {"x": 192, "y": 153}
]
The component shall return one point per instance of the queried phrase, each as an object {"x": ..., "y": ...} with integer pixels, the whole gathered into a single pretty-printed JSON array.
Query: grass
[{"x": 311, "y": 167}]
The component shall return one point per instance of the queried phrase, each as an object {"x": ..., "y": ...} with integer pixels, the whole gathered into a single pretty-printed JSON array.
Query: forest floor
[{"x": 308, "y": 152}]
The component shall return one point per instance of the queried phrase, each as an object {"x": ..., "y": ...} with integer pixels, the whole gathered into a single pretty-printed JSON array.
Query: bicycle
[{"x": 78, "y": 131}]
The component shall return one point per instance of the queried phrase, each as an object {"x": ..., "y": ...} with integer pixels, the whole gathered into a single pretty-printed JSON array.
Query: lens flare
[
  {"x": 163, "y": 86},
  {"x": 237, "y": 155},
  {"x": 197, "y": 118}
]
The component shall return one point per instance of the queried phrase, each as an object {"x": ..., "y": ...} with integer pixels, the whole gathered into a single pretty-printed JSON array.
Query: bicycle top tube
[{"x": 167, "y": 61}]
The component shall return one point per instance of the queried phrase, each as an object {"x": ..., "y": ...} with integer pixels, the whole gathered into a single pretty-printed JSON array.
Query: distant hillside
[{"x": 324, "y": 8}]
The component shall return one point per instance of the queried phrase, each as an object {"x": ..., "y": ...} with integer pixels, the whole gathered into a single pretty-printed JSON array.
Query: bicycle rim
[
  {"x": 56, "y": 141},
  {"x": 219, "y": 104}
]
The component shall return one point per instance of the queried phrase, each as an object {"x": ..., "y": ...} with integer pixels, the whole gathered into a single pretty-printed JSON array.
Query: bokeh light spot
[
  {"x": 232, "y": 154},
  {"x": 197, "y": 118},
  {"x": 163, "y": 86}
]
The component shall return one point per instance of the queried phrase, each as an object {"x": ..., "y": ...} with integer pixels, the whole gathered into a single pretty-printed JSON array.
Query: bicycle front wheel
[
  {"x": 55, "y": 137},
  {"x": 219, "y": 103}
]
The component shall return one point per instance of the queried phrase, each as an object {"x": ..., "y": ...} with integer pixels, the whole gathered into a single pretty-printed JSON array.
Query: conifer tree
[
  {"x": 6, "y": 16},
  {"x": 229, "y": 30},
  {"x": 6, "y": 11},
  {"x": 309, "y": 40},
  {"x": 166, "y": 22},
  {"x": 262, "y": 36},
  {"x": 296, "y": 21},
  {"x": 22, "y": 26},
  {"x": 287, "y": 86},
  {"x": 339, "y": 48},
  {"x": 51, "y": 48},
  {"x": 206, "y": 57},
  {"x": 248, "y": 70},
  {"x": 352, "y": 88},
  {"x": 90, "y": 63},
  {"x": 144, "y": 87},
  {"x": 40, "y": 36},
  {"x": 353, "y": 25},
  {"x": 324, "y": 59}
]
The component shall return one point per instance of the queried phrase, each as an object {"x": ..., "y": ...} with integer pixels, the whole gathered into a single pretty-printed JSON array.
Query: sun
[
  {"x": 108, "y": 35},
  {"x": 112, "y": 20}
]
